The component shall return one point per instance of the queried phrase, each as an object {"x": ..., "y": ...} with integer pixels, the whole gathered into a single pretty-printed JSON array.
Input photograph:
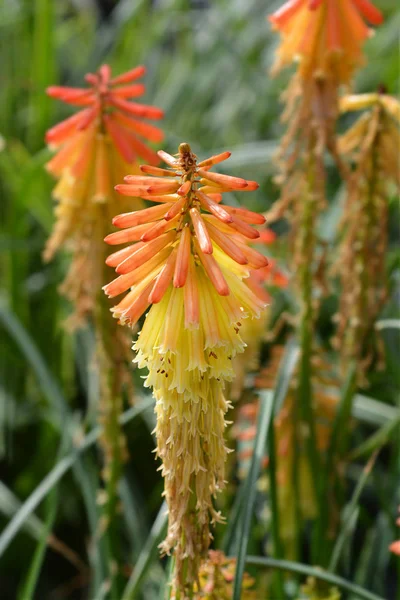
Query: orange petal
[
  {"x": 135, "y": 73},
  {"x": 369, "y": 11},
  {"x": 79, "y": 96},
  {"x": 132, "y": 234},
  {"x": 146, "y": 180},
  {"x": 285, "y": 13},
  {"x": 201, "y": 231},
  {"x": 59, "y": 133},
  {"x": 217, "y": 210},
  {"x": 102, "y": 171},
  {"x": 191, "y": 297},
  {"x": 244, "y": 228},
  {"x": 213, "y": 271},
  {"x": 175, "y": 209},
  {"x": 130, "y": 91},
  {"x": 64, "y": 156},
  {"x": 120, "y": 138},
  {"x": 255, "y": 259},
  {"x": 245, "y": 215},
  {"x": 131, "y": 190},
  {"x": 114, "y": 259},
  {"x": 213, "y": 160},
  {"x": 132, "y": 314},
  {"x": 182, "y": 259},
  {"x": 157, "y": 229},
  {"x": 85, "y": 157},
  {"x": 184, "y": 189},
  {"x": 149, "y": 132},
  {"x": 141, "y": 216},
  {"x": 139, "y": 110},
  {"x": 124, "y": 282},
  {"x": 170, "y": 160},
  {"x": 227, "y": 245},
  {"x": 145, "y": 252},
  {"x": 156, "y": 171},
  {"x": 163, "y": 280},
  {"x": 225, "y": 180},
  {"x": 333, "y": 27},
  {"x": 143, "y": 151}
]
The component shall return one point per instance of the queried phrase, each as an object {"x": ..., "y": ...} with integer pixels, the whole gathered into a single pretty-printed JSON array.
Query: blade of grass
[
  {"x": 285, "y": 374},
  {"x": 349, "y": 513},
  {"x": 301, "y": 569},
  {"x": 377, "y": 440},
  {"x": 57, "y": 473},
  {"x": 147, "y": 554},
  {"x": 372, "y": 411},
  {"x": 231, "y": 533},
  {"x": 335, "y": 448},
  {"x": 48, "y": 383},
  {"x": 28, "y": 589},
  {"x": 263, "y": 424}
]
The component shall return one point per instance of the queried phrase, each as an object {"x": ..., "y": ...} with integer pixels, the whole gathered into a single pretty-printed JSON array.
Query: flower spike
[
  {"x": 324, "y": 35},
  {"x": 191, "y": 263},
  {"x": 184, "y": 215}
]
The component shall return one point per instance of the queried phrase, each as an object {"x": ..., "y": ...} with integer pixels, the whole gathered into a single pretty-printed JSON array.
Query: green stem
[
  {"x": 305, "y": 396},
  {"x": 278, "y": 549}
]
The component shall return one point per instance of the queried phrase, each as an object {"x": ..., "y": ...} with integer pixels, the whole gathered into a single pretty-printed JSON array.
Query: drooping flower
[
  {"x": 190, "y": 262},
  {"x": 371, "y": 145},
  {"x": 324, "y": 36},
  {"x": 94, "y": 148}
]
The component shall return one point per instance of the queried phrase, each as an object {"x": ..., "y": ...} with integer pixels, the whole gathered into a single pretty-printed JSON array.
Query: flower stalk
[
  {"x": 93, "y": 149},
  {"x": 190, "y": 263}
]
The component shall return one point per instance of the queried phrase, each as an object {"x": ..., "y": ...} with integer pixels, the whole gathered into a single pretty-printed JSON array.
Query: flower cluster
[
  {"x": 216, "y": 578},
  {"x": 325, "y": 36},
  {"x": 190, "y": 260},
  {"x": 94, "y": 149},
  {"x": 371, "y": 144}
]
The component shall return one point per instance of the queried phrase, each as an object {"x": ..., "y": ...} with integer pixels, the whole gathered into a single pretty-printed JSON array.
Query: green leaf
[
  {"x": 301, "y": 569},
  {"x": 57, "y": 473},
  {"x": 146, "y": 556},
  {"x": 264, "y": 420}
]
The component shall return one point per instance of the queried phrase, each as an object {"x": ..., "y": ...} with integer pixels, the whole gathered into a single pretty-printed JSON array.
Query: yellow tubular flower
[{"x": 191, "y": 263}]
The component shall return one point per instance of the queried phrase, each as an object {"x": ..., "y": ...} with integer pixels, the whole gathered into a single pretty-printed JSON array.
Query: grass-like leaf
[
  {"x": 57, "y": 473},
  {"x": 301, "y": 569},
  {"x": 146, "y": 556}
]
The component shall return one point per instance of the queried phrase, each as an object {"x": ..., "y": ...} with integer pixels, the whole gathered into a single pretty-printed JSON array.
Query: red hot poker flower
[
  {"x": 107, "y": 104},
  {"x": 187, "y": 224},
  {"x": 325, "y": 35}
]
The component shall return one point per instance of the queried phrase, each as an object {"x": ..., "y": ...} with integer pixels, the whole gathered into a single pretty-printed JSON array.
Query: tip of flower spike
[{"x": 184, "y": 148}]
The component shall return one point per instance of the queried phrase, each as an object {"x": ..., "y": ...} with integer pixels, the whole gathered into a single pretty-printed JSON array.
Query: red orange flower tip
[
  {"x": 395, "y": 547},
  {"x": 107, "y": 105},
  {"x": 267, "y": 236},
  {"x": 200, "y": 244}
]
